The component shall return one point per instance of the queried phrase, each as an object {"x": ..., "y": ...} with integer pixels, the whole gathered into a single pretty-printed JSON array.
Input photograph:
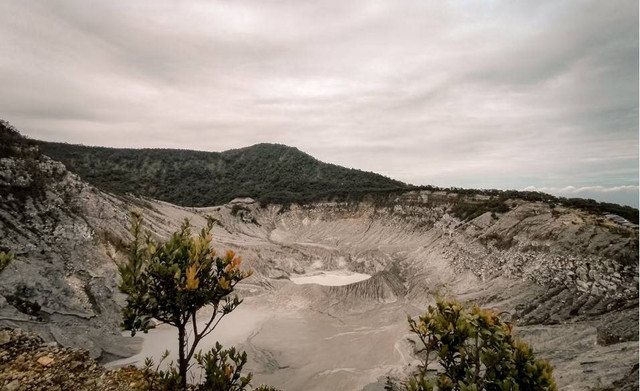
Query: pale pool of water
[{"x": 330, "y": 278}]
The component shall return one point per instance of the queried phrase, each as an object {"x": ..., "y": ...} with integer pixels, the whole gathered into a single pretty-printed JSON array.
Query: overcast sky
[{"x": 490, "y": 94}]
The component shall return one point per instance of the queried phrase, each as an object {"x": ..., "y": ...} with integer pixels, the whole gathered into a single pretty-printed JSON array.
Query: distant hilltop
[{"x": 270, "y": 173}]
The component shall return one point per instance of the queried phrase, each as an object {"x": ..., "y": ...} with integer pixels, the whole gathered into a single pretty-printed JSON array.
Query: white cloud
[
  {"x": 483, "y": 94},
  {"x": 623, "y": 194},
  {"x": 575, "y": 190}
]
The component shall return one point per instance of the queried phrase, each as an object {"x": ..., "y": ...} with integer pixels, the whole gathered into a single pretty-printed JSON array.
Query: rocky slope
[
  {"x": 568, "y": 279},
  {"x": 62, "y": 280},
  {"x": 28, "y": 363}
]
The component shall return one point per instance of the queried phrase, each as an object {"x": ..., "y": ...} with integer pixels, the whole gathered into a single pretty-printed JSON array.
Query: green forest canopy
[{"x": 270, "y": 173}]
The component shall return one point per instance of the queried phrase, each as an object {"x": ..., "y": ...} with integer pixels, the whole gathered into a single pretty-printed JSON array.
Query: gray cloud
[{"x": 482, "y": 94}]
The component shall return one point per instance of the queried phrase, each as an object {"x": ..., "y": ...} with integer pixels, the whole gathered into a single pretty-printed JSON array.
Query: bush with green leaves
[
  {"x": 159, "y": 379},
  {"x": 170, "y": 281},
  {"x": 223, "y": 369},
  {"x": 5, "y": 259},
  {"x": 473, "y": 350}
]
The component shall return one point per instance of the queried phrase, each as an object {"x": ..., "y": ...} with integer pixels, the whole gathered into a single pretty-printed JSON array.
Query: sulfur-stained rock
[{"x": 45, "y": 360}]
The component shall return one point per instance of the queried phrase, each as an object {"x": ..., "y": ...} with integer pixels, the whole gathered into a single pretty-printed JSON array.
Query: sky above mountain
[{"x": 537, "y": 95}]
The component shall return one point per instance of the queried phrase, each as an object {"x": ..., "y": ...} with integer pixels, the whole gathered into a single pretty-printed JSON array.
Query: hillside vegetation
[{"x": 271, "y": 173}]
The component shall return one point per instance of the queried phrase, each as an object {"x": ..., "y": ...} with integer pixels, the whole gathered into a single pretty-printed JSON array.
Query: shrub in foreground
[{"x": 472, "y": 350}]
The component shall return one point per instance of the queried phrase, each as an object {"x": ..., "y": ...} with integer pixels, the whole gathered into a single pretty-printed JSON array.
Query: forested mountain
[{"x": 271, "y": 173}]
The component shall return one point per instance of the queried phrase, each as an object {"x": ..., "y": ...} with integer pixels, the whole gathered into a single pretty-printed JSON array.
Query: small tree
[
  {"x": 172, "y": 280},
  {"x": 475, "y": 351}
]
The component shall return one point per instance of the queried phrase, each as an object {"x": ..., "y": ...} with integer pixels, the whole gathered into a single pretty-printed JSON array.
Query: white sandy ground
[
  {"x": 296, "y": 350},
  {"x": 330, "y": 278},
  {"x": 233, "y": 329}
]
